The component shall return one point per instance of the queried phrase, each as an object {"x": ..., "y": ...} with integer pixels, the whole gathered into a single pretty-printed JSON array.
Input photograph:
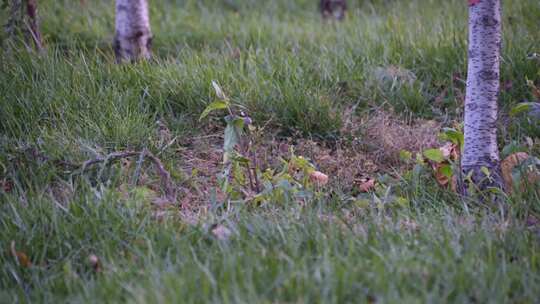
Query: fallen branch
[
  {"x": 109, "y": 157},
  {"x": 165, "y": 176},
  {"x": 80, "y": 168}
]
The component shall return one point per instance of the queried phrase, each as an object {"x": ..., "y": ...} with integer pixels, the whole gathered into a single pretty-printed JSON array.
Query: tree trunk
[
  {"x": 333, "y": 9},
  {"x": 480, "y": 149},
  {"x": 133, "y": 35},
  {"x": 33, "y": 26}
]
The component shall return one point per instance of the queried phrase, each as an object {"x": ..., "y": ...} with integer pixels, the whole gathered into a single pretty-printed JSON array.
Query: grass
[
  {"x": 315, "y": 254},
  {"x": 295, "y": 75}
]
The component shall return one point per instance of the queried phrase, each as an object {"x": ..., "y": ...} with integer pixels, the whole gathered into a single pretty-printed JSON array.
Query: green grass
[
  {"x": 274, "y": 255},
  {"x": 294, "y": 74}
]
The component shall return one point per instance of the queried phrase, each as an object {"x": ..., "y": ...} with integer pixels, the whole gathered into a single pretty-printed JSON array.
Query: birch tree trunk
[
  {"x": 133, "y": 35},
  {"x": 482, "y": 94}
]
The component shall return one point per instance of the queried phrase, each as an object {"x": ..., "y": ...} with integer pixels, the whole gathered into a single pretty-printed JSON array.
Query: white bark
[
  {"x": 482, "y": 92},
  {"x": 133, "y": 35}
]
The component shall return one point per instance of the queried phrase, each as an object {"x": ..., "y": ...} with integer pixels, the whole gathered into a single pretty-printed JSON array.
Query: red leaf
[{"x": 473, "y": 2}]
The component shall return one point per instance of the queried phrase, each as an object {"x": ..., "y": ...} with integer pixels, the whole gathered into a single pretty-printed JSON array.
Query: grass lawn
[{"x": 104, "y": 234}]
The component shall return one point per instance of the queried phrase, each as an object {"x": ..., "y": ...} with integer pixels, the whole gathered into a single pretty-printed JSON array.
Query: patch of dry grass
[{"x": 387, "y": 135}]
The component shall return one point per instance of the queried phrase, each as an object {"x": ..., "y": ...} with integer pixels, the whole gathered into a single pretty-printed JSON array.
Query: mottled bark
[
  {"x": 133, "y": 35},
  {"x": 482, "y": 94},
  {"x": 334, "y": 9}
]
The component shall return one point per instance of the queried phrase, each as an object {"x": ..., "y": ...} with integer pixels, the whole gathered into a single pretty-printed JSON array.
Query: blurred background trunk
[{"x": 133, "y": 37}]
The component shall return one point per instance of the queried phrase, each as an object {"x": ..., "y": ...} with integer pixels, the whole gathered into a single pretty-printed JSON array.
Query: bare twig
[
  {"x": 255, "y": 169},
  {"x": 165, "y": 176},
  {"x": 137, "y": 173},
  {"x": 160, "y": 169},
  {"x": 110, "y": 157}
]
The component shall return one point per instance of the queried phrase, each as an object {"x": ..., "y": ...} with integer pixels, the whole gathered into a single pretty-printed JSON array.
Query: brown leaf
[
  {"x": 318, "y": 178},
  {"x": 162, "y": 201},
  {"x": 508, "y": 165},
  {"x": 95, "y": 262},
  {"x": 532, "y": 221},
  {"x": 440, "y": 177},
  {"x": 221, "y": 232},
  {"x": 6, "y": 185},
  {"x": 367, "y": 186},
  {"x": 450, "y": 151},
  {"x": 535, "y": 89},
  {"x": 21, "y": 257},
  {"x": 410, "y": 225}
]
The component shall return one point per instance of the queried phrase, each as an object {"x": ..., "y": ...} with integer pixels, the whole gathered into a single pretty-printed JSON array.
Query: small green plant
[
  {"x": 444, "y": 160},
  {"x": 242, "y": 179}
]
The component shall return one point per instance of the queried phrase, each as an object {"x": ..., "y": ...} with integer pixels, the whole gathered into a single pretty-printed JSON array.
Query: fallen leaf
[
  {"x": 162, "y": 201},
  {"x": 6, "y": 185},
  {"x": 535, "y": 90},
  {"x": 532, "y": 221},
  {"x": 442, "y": 173},
  {"x": 367, "y": 186},
  {"x": 221, "y": 232},
  {"x": 508, "y": 165},
  {"x": 319, "y": 178},
  {"x": 450, "y": 151},
  {"x": 95, "y": 262},
  {"x": 21, "y": 257},
  {"x": 410, "y": 225}
]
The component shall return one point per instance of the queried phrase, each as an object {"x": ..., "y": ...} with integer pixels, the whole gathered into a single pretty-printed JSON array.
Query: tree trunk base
[
  {"x": 132, "y": 49},
  {"x": 133, "y": 39},
  {"x": 480, "y": 179}
]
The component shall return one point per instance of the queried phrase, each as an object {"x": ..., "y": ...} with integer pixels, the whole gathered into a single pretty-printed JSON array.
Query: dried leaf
[
  {"x": 318, "y": 178},
  {"x": 532, "y": 221},
  {"x": 410, "y": 225},
  {"x": 450, "y": 151},
  {"x": 443, "y": 173},
  {"x": 6, "y": 185},
  {"x": 511, "y": 162},
  {"x": 367, "y": 186},
  {"x": 221, "y": 232},
  {"x": 535, "y": 90},
  {"x": 21, "y": 257},
  {"x": 94, "y": 261},
  {"x": 162, "y": 201}
]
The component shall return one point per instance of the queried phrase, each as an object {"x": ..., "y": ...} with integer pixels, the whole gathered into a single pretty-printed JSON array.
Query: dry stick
[
  {"x": 244, "y": 148},
  {"x": 254, "y": 160},
  {"x": 162, "y": 172},
  {"x": 165, "y": 176},
  {"x": 137, "y": 173},
  {"x": 251, "y": 185},
  {"x": 112, "y": 156}
]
